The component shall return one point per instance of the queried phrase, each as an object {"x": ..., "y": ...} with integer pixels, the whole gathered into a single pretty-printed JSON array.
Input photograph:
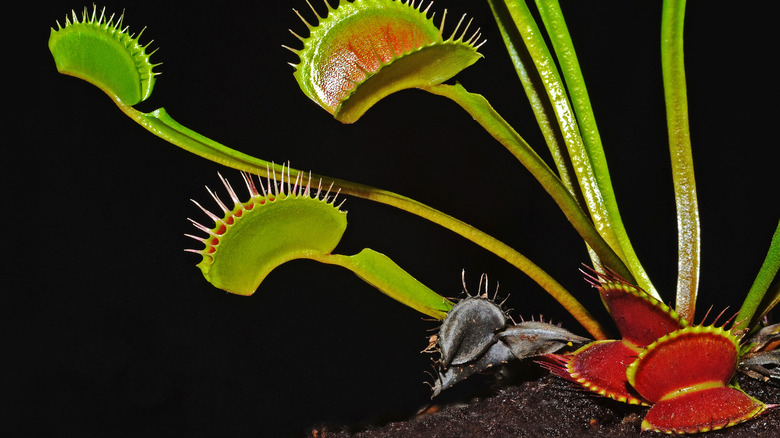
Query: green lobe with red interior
[{"x": 367, "y": 49}]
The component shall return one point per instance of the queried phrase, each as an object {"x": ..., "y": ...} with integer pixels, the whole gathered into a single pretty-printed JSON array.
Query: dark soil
[{"x": 548, "y": 407}]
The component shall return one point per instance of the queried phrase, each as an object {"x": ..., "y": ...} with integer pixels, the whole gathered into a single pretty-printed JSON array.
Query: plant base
[{"x": 546, "y": 407}]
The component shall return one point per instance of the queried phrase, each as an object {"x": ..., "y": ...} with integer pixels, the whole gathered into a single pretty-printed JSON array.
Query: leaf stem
[
  {"x": 558, "y": 32},
  {"x": 161, "y": 124},
  {"x": 534, "y": 91},
  {"x": 746, "y": 316},
  {"x": 576, "y": 129},
  {"x": 675, "y": 96},
  {"x": 383, "y": 273},
  {"x": 484, "y": 114}
]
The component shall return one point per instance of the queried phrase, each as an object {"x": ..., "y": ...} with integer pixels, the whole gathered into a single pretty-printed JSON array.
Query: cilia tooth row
[
  {"x": 471, "y": 41},
  {"x": 269, "y": 192}
]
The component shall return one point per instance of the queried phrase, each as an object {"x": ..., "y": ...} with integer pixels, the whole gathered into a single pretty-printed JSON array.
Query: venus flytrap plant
[
  {"x": 289, "y": 220},
  {"x": 683, "y": 371},
  {"x": 379, "y": 58},
  {"x": 109, "y": 40},
  {"x": 292, "y": 225},
  {"x": 360, "y": 52},
  {"x": 390, "y": 62}
]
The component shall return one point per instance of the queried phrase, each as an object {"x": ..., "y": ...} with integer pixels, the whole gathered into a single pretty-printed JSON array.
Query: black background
[{"x": 110, "y": 329}]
